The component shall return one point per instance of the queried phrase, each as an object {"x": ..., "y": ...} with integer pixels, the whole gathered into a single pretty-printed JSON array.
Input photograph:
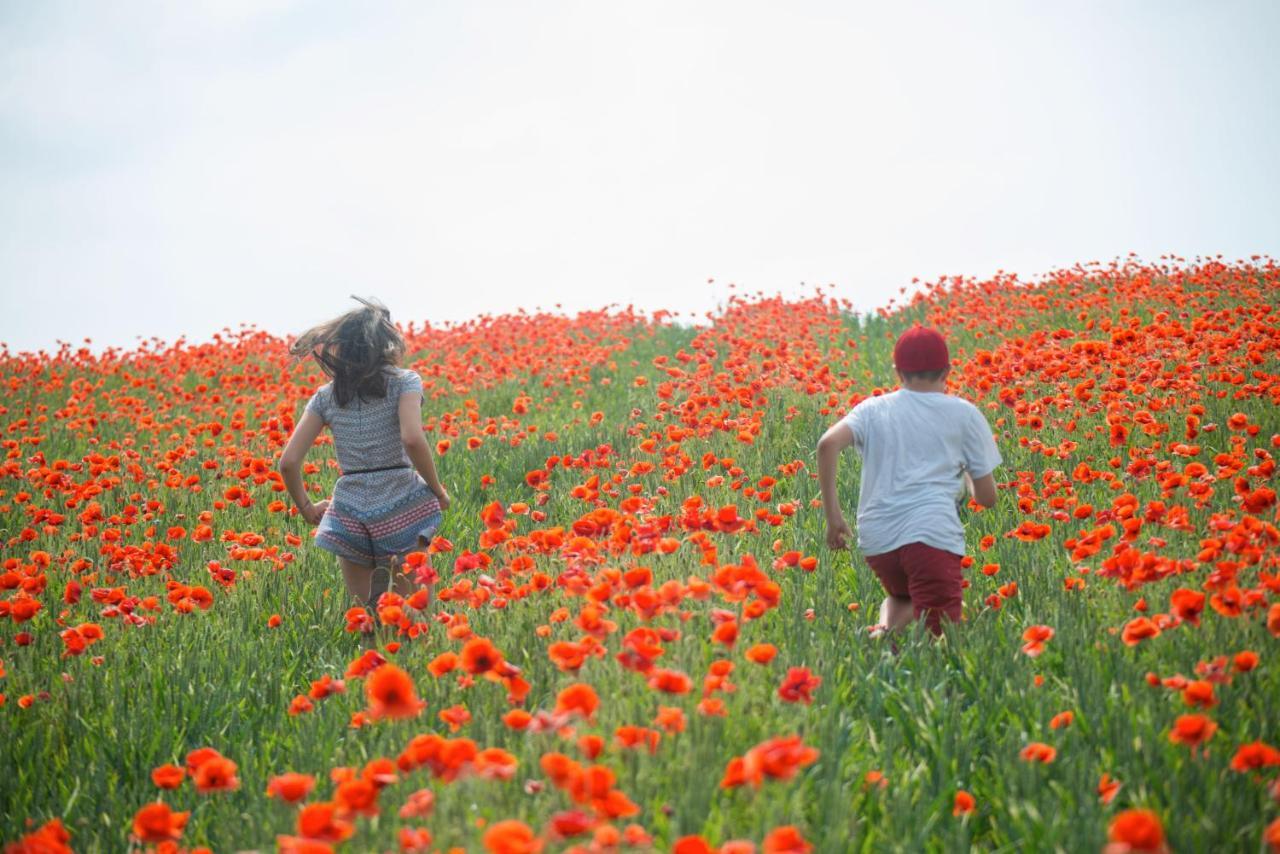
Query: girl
[{"x": 388, "y": 501}]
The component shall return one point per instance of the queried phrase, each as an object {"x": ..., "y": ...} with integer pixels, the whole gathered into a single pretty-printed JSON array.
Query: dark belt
[{"x": 384, "y": 468}]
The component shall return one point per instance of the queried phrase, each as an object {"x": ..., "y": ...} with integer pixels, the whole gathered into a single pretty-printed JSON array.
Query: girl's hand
[
  {"x": 315, "y": 512},
  {"x": 443, "y": 497}
]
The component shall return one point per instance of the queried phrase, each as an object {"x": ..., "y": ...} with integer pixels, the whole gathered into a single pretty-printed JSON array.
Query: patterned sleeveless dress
[{"x": 380, "y": 514}]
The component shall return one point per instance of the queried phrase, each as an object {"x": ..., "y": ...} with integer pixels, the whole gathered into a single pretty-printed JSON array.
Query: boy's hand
[
  {"x": 839, "y": 534},
  {"x": 316, "y": 512}
]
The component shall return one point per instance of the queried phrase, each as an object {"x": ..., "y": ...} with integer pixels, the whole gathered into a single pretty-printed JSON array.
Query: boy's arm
[
  {"x": 983, "y": 489},
  {"x": 981, "y": 455},
  {"x": 838, "y": 437},
  {"x": 290, "y": 465}
]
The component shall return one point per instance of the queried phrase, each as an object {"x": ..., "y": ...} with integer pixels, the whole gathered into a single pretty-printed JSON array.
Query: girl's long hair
[{"x": 355, "y": 350}]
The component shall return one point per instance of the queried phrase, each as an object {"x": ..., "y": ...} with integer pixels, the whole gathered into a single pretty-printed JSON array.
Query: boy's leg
[
  {"x": 896, "y": 611},
  {"x": 934, "y": 582}
]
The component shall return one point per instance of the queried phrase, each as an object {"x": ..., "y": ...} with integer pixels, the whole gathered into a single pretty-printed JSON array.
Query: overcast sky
[{"x": 174, "y": 168}]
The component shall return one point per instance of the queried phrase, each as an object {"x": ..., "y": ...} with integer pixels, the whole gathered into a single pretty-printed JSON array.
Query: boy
[{"x": 918, "y": 446}]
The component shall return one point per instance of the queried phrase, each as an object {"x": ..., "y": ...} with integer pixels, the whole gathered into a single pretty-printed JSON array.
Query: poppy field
[{"x": 630, "y": 635}]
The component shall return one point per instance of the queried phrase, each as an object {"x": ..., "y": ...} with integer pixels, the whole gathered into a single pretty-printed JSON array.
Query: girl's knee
[{"x": 379, "y": 583}]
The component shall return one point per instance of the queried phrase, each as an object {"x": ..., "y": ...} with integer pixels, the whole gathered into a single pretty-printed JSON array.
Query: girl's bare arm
[
  {"x": 416, "y": 446},
  {"x": 290, "y": 465}
]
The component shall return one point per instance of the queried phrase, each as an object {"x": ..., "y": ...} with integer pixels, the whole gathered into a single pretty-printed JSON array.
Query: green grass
[{"x": 933, "y": 718}]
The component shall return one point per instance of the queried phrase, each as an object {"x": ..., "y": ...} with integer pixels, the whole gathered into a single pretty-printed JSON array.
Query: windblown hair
[{"x": 355, "y": 350}]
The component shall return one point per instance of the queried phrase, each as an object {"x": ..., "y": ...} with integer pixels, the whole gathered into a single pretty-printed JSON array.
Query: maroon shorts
[{"x": 929, "y": 577}]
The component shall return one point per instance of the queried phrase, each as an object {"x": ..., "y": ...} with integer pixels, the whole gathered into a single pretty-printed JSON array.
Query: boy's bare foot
[{"x": 884, "y": 634}]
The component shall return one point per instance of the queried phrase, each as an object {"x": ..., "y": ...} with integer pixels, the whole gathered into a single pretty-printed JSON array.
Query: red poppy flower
[
  {"x": 1139, "y": 830},
  {"x": 511, "y": 837},
  {"x": 216, "y": 774},
  {"x": 798, "y": 685},
  {"x": 391, "y": 694},
  {"x": 156, "y": 823},
  {"x": 1192, "y": 730},
  {"x": 321, "y": 821},
  {"x": 578, "y": 698},
  {"x": 168, "y": 776},
  {"x": 290, "y": 787},
  {"x": 1038, "y": 751},
  {"x": 1108, "y": 788},
  {"x": 785, "y": 840}
]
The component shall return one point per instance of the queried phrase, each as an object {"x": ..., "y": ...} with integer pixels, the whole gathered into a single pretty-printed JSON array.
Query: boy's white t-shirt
[{"x": 914, "y": 447}]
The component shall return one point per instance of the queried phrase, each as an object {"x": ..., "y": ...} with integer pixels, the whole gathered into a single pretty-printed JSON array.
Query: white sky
[{"x": 174, "y": 168}]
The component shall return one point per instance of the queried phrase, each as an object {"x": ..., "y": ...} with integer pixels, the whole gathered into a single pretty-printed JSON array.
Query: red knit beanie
[{"x": 921, "y": 349}]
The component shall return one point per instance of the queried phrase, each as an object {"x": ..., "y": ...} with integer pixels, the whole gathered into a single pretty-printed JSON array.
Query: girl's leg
[
  {"x": 385, "y": 576},
  {"x": 379, "y": 583},
  {"x": 402, "y": 582},
  {"x": 358, "y": 578}
]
